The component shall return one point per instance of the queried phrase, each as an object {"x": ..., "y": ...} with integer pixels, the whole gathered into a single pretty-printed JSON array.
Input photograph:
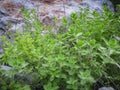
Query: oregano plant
[{"x": 73, "y": 59}]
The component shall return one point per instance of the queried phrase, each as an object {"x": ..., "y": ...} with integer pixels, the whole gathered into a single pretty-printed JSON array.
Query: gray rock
[
  {"x": 106, "y": 88},
  {"x": 6, "y": 68},
  {"x": 3, "y": 12},
  {"x": 2, "y": 25},
  {"x": 97, "y": 5},
  {"x": 29, "y": 79},
  {"x": 70, "y": 7},
  {"x": 1, "y": 49}
]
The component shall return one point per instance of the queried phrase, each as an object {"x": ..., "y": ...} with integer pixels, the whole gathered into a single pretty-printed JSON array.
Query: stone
[
  {"x": 3, "y": 12},
  {"x": 60, "y": 8},
  {"x": 106, "y": 88},
  {"x": 97, "y": 5},
  {"x": 1, "y": 49},
  {"x": 6, "y": 68},
  {"x": 29, "y": 79}
]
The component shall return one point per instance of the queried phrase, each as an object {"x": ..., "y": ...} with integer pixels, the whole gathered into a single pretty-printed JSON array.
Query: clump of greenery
[{"x": 72, "y": 60}]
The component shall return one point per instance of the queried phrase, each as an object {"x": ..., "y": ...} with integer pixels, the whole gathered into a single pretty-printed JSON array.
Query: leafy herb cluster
[{"x": 87, "y": 49}]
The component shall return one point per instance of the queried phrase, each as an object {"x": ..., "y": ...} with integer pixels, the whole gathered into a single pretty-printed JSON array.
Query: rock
[
  {"x": 26, "y": 78},
  {"x": 6, "y": 68},
  {"x": 3, "y": 23},
  {"x": 1, "y": 49},
  {"x": 3, "y": 27},
  {"x": 106, "y": 88},
  {"x": 29, "y": 79},
  {"x": 18, "y": 77},
  {"x": 97, "y": 5},
  {"x": 3, "y": 13},
  {"x": 60, "y": 8}
]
